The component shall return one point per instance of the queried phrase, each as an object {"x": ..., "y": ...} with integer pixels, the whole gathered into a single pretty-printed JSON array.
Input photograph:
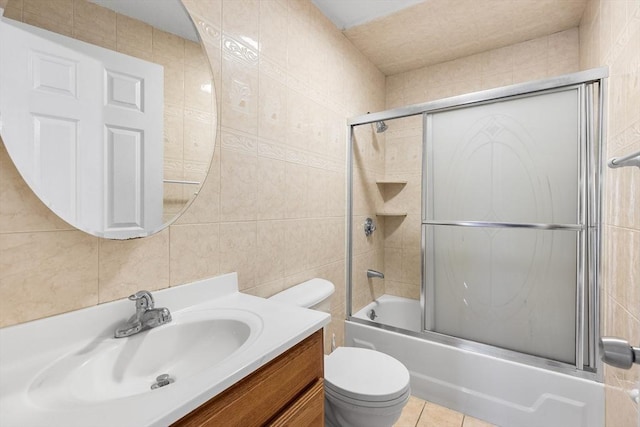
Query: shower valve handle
[
  {"x": 617, "y": 352},
  {"x": 369, "y": 227}
]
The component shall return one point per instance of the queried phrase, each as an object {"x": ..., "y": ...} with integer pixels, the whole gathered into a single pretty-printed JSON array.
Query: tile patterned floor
[{"x": 419, "y": 413}]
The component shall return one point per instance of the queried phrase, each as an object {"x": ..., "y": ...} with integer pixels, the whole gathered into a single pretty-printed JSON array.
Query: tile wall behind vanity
[{"x": 273, "y": 205}]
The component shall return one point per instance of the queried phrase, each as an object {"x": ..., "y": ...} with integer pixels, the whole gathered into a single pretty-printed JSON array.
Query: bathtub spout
[{"x": 373, "y": 273}]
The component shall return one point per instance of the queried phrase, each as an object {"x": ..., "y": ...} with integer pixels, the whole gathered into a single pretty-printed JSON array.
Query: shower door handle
[{"x": 617, "y": 352}]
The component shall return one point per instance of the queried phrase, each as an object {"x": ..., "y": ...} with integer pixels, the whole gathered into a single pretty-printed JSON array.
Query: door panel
[{"x": 69, "y": 103}]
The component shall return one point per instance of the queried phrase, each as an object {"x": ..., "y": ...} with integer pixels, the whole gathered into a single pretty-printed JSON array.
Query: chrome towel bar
[
  {"x": 632, "y": 159},
  {"x": 179, "y": 181}
]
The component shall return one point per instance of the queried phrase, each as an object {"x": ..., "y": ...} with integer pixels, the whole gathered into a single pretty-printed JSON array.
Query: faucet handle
[{"x": 143, "y": 300}]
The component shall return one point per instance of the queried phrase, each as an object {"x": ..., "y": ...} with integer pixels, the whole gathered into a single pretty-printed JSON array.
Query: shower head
[{"x": 381, "y": 126}]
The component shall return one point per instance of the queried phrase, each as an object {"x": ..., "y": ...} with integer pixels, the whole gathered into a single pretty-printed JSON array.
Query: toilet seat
[
  {"x": 364, "y": 377},
  {"x": 342, "y": 400}
]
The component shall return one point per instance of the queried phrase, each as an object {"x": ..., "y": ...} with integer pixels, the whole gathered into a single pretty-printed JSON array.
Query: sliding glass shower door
[{"x": 504, "y": 223}]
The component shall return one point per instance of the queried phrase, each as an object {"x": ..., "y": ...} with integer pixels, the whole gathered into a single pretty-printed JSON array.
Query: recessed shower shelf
[
  {"x": 391, "y": 214},
  {"x": 390, "y": 182}
]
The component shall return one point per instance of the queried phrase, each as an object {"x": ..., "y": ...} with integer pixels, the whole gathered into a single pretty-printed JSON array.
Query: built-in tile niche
[{"x": 401, "y": 207}]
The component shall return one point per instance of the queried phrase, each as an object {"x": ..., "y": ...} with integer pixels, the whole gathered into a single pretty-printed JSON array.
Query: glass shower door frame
[
  {"x": 583, "y": 319},
  {"x": 592, "y": 87}
]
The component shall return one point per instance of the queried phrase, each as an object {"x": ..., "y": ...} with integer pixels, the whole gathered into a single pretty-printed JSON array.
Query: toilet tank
[{"x": 314, "y": 294}]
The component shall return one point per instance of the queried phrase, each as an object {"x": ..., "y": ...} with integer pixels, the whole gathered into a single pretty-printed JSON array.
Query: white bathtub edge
[{"x": 502, "y": 392}]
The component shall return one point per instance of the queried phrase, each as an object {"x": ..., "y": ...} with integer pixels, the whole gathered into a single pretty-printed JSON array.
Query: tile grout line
[{"x": 424, "y": 405}]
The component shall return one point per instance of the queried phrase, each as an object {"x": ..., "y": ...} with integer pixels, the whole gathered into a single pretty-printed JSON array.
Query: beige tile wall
[
  {"x": 402, "y": 242},
  {"x": 368, "y": 253},
  {"x": 273, "y": 205},
  {"x": 283, "y": 110},
  {"x": 610, "y": 35},
  {"x": 444, "y": 30},
  {"x": 189, "y": 112},
  {"x": 534, "y": 59}
]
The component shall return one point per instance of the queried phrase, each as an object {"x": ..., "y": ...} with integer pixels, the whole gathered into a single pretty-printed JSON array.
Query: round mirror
[{"x": 107, "y": 109}]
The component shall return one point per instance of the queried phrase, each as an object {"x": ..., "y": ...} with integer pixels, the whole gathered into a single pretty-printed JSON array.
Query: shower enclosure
[{"x": 487, "y": 212}]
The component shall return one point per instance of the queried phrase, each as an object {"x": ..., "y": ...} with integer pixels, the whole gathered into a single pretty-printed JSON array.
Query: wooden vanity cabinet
[{"x": 288, "y": 391}]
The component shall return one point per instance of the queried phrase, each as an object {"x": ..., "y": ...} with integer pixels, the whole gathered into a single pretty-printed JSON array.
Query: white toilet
[{"x": 362, "y": 387}]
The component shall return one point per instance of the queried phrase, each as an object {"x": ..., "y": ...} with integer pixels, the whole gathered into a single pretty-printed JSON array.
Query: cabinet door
[
  {"x": 307, "y": 410},
  {"x": 267, "y": 393}
]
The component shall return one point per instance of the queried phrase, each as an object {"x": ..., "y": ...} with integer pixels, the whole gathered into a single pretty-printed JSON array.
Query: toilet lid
[
  {"x": 306, "y": 294},
  {"x": 363, "y": 374}
]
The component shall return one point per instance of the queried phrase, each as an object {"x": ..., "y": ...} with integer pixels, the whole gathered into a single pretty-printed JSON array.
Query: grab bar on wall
[
  {"x": 178, "y": 181},
  {"x": 632, "y": 159}
]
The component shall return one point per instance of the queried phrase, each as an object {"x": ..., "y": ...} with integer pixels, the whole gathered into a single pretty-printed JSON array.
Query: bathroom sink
[
  {"x": 69, "y": 370},
  {"x": 111, "y": 368}
]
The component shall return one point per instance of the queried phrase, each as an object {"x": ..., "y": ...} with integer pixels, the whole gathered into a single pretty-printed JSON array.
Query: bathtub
[{"x": 500, "y": 391}]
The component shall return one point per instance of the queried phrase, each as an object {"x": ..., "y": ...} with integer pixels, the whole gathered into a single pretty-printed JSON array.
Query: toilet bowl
[{"x": 363, "y": 387}]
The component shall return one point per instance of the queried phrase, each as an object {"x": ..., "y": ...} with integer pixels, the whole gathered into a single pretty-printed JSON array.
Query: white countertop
[{"x": 30, "y": 348}]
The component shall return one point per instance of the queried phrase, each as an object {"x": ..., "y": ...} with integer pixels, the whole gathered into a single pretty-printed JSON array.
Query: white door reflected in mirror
[
  {"x": 114, "y": 144},
  {"x": 99, "y": 164}
]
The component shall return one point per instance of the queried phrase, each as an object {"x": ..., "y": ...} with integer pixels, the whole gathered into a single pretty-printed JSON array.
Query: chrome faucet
[
  {"x": 373, "y": 273},
  {"x": 146, "y": 316}
]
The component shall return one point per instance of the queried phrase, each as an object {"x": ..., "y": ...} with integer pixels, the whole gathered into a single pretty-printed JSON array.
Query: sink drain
[{"x": 161, "y": 381}]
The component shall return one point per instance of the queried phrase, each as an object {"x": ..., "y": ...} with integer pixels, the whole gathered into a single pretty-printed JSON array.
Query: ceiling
[
  {"x": 167, "y": 15},
  {"x": 349, "y": 13},
  {"x": 434, "y": 31},
  {"x": 403, "y": 35}
]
